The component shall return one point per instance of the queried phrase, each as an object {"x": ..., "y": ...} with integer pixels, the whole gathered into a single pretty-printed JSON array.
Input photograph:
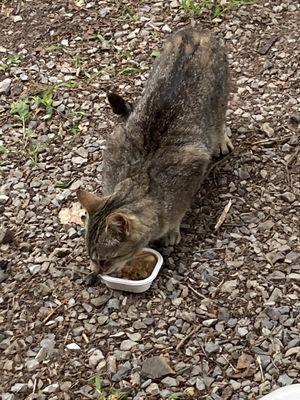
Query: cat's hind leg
[{"x": 224, "y": 145}]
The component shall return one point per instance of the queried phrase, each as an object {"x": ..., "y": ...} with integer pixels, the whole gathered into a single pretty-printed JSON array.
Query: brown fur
[{"x": 155, "y": 162}]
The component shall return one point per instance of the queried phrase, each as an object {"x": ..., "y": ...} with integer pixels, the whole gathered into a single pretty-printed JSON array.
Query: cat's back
[{"x": 191, "y": 72}]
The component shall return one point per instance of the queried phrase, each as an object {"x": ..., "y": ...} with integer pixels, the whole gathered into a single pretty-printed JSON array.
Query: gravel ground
[{"x": 222, "y": 319}]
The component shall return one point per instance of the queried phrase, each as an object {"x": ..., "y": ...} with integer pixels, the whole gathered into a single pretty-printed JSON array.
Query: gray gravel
[{"x": 222, "y": 319}]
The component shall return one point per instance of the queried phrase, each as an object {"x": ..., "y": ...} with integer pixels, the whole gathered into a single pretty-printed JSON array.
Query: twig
[
  {"x": 260, "y": 368},
  {"x": 220, "y": 162},
  {"x": 201, "y": 296},
  {"x": 223, "y": 215},
  {"x": 187, "y": 337},
  {"x": 51, "y": 313},
  {"x": 270, "y": 141}
]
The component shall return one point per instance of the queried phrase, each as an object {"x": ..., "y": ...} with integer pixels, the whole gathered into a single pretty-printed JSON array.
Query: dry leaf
[
  {"x": 244, "y": 361},
  {"x": 72, "y": 215}
]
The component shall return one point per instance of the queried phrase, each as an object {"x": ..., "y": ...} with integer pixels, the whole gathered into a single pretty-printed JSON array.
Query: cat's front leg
[{"x": 171, "y": 238}]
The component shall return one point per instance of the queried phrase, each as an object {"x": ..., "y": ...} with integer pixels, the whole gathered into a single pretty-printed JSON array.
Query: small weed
[
  {"x": 3, "y": 149},
  {"x": 10, "y": 61},
  {"x": 155, "y": 53},
  {"x": 75, "y": 117},
  {"x": 62, "y": 184},
  {"x": 46, "y": 101},
  {"x": 215, "y": 7},
  {"x": 55, "y": 47},
  {"x": 34, "y": 149},
  {"x": 129, "y": 11},
  {"x": 176, "y": 396},
  {"x": 126, "y": 54},
  {"x": 191, "y": 7},
  {"x": 102, "y": 39},
  {"x": 21, "y": 111},
  {"x": 107, "y": 393},
  {"x": 131, "y": 70}
]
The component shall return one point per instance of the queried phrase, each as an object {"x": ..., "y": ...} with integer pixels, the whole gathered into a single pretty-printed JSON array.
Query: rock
[
  {"x": 166, "y": 28},
  {"x": 209, "y": 322},
  {"x": 3, "y": 199},
  {"x": 242, "y": 331},
  {"x": 285, "y": 380},
  {"x": 153, "y": 389},
  {"x": 3, "y": 276},
  {"x": 99, "y": 301},
  {"x": 266, "y": 127},
  {"x": 200, "y": 385},
  {"x": 17, "y": 18},
  {"x": 156, "y": 367},
  {"x": 51, "y": 388},
  {"x": 169, "y": 382},
  {"x": 122, "y": 372},
  {"x": 78, "y": 160},
  {"x": 73, "y": 346},
  {"x": 289, "y": 197},
  {"x": 95, "y": 357},
  {"x": 18, "y": 387},
  {"x": 211, "y": 347},
  {"x": 134, "y": 336},
  {"x": 8, "y": 396},
  {"x": 5, "y": 86},
  {"x": 32, "y": 364},
  {"x": 127, "y": 345},
  {"x": 294, "y": 277}
]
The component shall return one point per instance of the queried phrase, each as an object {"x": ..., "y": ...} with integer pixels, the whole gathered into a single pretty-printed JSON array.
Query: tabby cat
[{"x": 156, "y": 159}]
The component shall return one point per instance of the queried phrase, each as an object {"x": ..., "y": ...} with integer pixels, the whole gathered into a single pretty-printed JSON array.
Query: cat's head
[{"x": 113, "y": 235}]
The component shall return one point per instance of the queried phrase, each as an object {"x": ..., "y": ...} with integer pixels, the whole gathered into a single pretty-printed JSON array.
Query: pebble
[
  {"x": 169, "y": 381},
  {"x": 73, "y": 346},
  {"x": 127, "y": 345},
  {"x": 156, "y": 367},
  {"x": 211, "y": 347},
  {"x": 5, "y": 86},
  {"x": 18, "y": 387},
  {"x": 78, "y": 160},
  {"x": 51, "y": 388},
  {"x": 95, "y": 357},
  {"x": 153, "y": 389},
  {"x": 289, "y": 197}
]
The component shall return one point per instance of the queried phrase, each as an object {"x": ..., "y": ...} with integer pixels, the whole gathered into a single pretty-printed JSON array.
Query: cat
[{"x": 156, "y": 159}]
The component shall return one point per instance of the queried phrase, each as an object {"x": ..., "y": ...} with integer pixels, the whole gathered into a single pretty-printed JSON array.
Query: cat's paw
[
  {"x": 171, "y": 238},
  {"x": 91, "y": 279},
  {"x": 225, "y": 146}
]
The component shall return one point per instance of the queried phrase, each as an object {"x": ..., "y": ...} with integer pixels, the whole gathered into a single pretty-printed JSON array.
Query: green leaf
[{"x": 155, "y": 53}]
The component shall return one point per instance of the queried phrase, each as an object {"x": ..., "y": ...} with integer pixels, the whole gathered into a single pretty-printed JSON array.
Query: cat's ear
[
  {"x": 89, "y": 201},
  {"x": 118, "y": 224},
  {"x": 119, "y": 105}
]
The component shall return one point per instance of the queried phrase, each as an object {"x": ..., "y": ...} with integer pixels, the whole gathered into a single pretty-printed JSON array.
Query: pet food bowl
[
  {"x": 139, "y": 286},
  {"x": 290, "y": 392}
]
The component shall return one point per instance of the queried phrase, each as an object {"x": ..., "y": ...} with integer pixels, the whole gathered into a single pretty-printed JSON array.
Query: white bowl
[
  {"x": 290, "y": 392},
  {"x": 135, "y": 286}
]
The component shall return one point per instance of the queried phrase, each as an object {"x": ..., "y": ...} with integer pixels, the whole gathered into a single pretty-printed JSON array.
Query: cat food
[
  {"x": 140, "y": 267},
  {"x": 138, "y": 274}
]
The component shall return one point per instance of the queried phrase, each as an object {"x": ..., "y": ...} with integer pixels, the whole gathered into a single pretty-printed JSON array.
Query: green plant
[
  {"x": 101, "y": 38},
  {"x": 62, "y": 184},
  {"x": 21, "y": 111},
  {"x": 107, "y": 393},
  {"x": 45, "y": 100},
  {"x": 12, "y": 60},
  {"x": 131, "y": 70},
  {"x": 155, "y": 53},
  {"x": 192, "y": 7},
  {"x": 3, "y": 149},
  {"x": 215, "y": 7}
]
